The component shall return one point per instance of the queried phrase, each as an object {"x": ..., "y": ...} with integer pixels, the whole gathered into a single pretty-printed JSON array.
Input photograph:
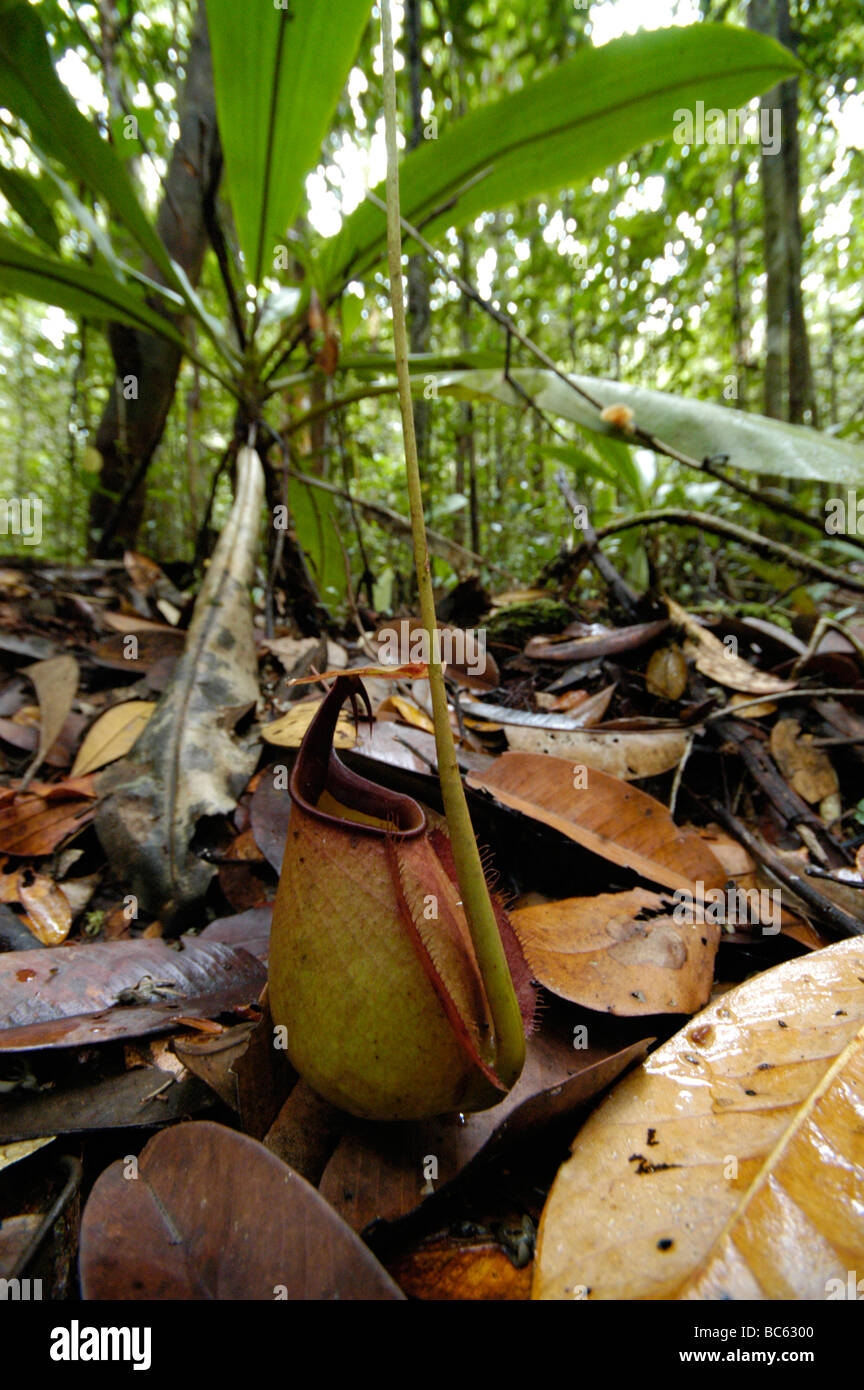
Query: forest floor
[{"x": 671, "y": 807}]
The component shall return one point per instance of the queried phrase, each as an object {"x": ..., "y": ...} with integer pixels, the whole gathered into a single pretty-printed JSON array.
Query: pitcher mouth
[{"x": 318, "y": 769}]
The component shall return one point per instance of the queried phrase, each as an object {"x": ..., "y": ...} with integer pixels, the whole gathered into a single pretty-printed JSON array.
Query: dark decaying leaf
[
  {"x": 377, "y": 1169},
  {"x": 250, "y": 929},
  {"x": 70, "y": 996},
  {"x": 131, "y": 1100},
  {"x": 188, "y": 763},
  {"x": 244, "y": 1069},
  {"x": 214, "y": 1215}
]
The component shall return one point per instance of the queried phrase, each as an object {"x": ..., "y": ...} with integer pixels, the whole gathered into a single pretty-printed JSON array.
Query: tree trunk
[
  {"x": 802, "y": 402},
  {"x": 146, "y": 367},
  {"x": 737, "y": 304},
  {"x": 418, "y": 281},
  {"x": 788, "y": 377}
]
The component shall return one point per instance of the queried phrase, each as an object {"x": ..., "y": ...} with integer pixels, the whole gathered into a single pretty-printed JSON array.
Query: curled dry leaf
[
  {"x": 602, "y": 953},
  {"x": 594, "y": 645},
  {"x": 607, "y": 816},
  {"x": 590, "y": 711},
  {"x": 112, "y": 735},
  {"x": 188, "y": 762},
  {"x": 191, "y": 1227},
  {"x": 666, "y": 673},
  {"x": 687, "y": 1154},
  {"x": 56, "y": 681},
  {"x": 720, "y": 662},
  {"x": 808, "y": 770}
]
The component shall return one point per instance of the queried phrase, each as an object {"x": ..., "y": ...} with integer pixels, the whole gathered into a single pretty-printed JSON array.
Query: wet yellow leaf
[{"x": 677, "y": 1162}]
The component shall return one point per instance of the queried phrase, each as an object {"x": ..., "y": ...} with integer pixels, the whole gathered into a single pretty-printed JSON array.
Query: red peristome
[{"x": 520, "y": 973}]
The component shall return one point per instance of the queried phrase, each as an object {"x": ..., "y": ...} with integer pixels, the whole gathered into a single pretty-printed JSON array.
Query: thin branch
[
  {"x": 821, "y": 907},
  {"x": 775, "y": 550},
  {"x": 626, "y": 597}
]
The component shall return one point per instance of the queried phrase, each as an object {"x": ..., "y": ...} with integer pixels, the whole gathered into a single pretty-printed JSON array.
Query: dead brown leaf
[
  {"x": 56, "y": 681},
  {"x": 112, "y": 735},
  {"x": 808, "y": 770},
  {"x": 601, "y": 953},
  {"x": 191, "y": 1227},
  {"x": 720, "y": 662},
  {"x": 607, "y": 816}
]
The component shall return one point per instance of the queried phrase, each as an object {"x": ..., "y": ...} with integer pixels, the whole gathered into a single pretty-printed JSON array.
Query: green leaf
[
  {"x": 312, "y": 511},
  {"x": 577, "y": 120},
  {"x": 33, "y": 92},
  {"x": 697, "y": 428},
  {"x": 279, "y": 73},
  {"x": 78, "y": 289},
  {"x": 22, "y": 192}
]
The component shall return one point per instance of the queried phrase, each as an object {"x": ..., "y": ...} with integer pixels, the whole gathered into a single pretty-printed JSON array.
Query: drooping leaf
[
  {"x": 79, "y": 289},
  {"x": 279, "y": 72},
  {"x": 191, "y": 1227},
  {"x": 33, "y": 92},
  {"x": 734, "y": 1156},
  {"x": 586, "y": 114},
  {"x": 698, "y": 428},
  {"x": 23, "y": 193}
]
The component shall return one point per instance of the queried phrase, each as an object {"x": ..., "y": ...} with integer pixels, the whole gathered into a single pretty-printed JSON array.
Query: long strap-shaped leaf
[
  {"x": 79, "y": 289},
  {"x": 33, "y": 92},
  {"x": 279, "y": 72},
  {"x": 577, "y": 120}
]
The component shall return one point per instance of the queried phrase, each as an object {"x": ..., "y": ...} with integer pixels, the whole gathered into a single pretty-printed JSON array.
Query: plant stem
[{"x": 508, "y": 1044}]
